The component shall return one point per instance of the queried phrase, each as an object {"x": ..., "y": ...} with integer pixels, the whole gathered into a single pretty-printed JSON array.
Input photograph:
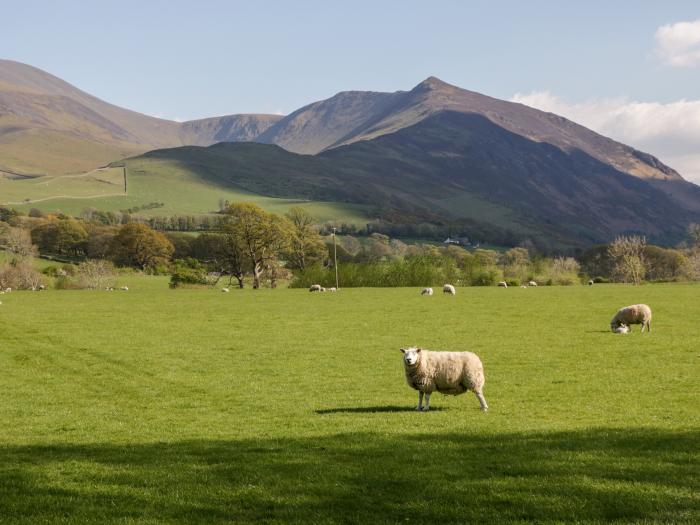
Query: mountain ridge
[{"x": 36, "y": 106}]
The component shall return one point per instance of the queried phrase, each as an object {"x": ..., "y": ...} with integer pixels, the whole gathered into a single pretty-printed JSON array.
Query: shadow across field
[
  {"x": 591, "y": 476},
  {"x": 372, "y": 410}
]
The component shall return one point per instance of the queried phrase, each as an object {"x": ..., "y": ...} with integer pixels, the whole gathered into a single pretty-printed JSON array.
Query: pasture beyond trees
[{"x": 193, "y": 406}]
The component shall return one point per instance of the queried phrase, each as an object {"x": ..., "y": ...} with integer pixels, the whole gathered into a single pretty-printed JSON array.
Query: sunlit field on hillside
[
  {"x": 179, "y": 191},
  {"x": 195, "y": 406}
]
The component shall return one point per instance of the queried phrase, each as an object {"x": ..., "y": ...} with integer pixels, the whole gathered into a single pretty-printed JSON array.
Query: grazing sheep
[
  {"x": 590, "y": 282},
  {"x": 323, "y": 289},
  {"x": 8, "y": 290},
  {"x": 427, "y": 291},
  {"x": 446, "y": 372},
  {"x": 225, "y": 290},
  {"x": 125, "y": 288},
  {"x": 448, "y": 288},
  {"x": 532, "y": 283},
  {"x": 503, "y": 284},
  {"x": 622, "y": 329},
  {"x": 332, "y": 289},
  {"x": 634, "y": 314},
  {"x": 523, "y": 286},
  {"x": 42, "y": 287},
  {"x": 315, "y": 288}
]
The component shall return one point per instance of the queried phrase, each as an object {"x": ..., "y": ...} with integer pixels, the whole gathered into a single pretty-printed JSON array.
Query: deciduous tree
[
  {"x": 139, "y": 246},
  {"x": 263, "y": 235}
]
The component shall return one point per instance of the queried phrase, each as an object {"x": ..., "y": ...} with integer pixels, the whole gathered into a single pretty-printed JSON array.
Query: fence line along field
[{"x": 193, "y": 406}]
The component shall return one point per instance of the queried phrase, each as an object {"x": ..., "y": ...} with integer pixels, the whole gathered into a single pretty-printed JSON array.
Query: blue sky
[{"x": 185, "y": 60}]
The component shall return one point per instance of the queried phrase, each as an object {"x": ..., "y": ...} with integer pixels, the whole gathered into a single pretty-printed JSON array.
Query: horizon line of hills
[{"x": 435, "y": 153}]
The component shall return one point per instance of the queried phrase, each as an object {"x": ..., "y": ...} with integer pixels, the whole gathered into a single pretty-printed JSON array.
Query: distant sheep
[
  {"x": 532, "y": 283},
  {"x": 590, "y": 282},
  {"x": 523, "y": 286},
  {"x": 333, "y": 289},
  {"x": 427, "y": 291},
  {"x": 634, "y": 314},
  {"x": 8, "y": 290},
  {"x": 450, "y": 373},
  {"x": 503, "y": 284},
  {"x": 125, "y": 288},
  {"x": 448, "y": 288},
  {"x": 315, "y": 288},
  {"x": 225, "y": 290},
  {"x": 41, "y": 287}
]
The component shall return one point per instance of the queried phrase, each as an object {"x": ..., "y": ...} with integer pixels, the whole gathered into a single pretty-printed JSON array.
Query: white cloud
[
  {"x": 679, "y": 44},
  {"x": 668, "y": 131}
]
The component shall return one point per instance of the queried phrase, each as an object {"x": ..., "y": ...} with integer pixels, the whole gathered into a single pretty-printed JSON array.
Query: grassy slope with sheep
[{"x": 194, "y": 406}]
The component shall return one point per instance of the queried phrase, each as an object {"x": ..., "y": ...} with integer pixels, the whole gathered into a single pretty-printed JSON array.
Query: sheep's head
[{"x": 410, "y": 355}]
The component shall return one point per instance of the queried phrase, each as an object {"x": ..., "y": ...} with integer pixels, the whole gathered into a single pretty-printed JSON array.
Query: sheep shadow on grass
[{"x": 372, "y": 410}]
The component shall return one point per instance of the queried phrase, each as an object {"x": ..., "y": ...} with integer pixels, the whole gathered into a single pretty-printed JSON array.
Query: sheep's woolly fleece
[{"x": 633, "y": 314}]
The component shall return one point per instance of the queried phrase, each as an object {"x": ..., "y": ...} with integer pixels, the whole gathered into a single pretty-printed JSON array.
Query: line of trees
[{"x": 251, "y": 243}]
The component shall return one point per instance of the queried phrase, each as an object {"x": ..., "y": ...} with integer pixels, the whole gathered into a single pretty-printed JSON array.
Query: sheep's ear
[
  {"x": 403, "y": 350},
  {"x": 418, "y": 349}
]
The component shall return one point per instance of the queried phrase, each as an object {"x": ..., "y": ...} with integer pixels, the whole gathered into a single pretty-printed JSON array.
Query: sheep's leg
[
  {"x": 420, "y": 401},
  {"x": 482, "y": 401},
  {"x": 427, "y": 403}
]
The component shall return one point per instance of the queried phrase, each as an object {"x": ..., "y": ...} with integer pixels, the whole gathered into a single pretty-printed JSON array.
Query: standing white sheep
[
  {"x": 448, "y": 288},
  {"x": 634, "y": 314},
  {"x": 315, "y": 288},
  {"x": 590, "y": 282},
  {"x": 225, "y": 290},
  {"x": 450, "y": 373},
  {"x": 532, "y": 283},
  {"x": 503, "y": 284},
  {"x": 427, "y": 291}
]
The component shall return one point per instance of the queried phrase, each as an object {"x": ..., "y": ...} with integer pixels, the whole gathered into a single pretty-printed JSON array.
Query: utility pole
[
  {"x": 335, "y": 259},
  {"x": 125, "y": 192}
]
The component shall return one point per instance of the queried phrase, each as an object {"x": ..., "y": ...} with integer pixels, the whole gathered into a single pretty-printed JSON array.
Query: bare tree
[
  {"x": 96, "y": 274},
  {"x": 18, "y": 241},
  {"x": 628, "y": 254}
]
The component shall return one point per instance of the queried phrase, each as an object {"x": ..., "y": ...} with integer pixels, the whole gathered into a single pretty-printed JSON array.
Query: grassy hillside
[
  {"x": 50, "y": 127},
  {"x": 193, "y": 406},
  {"x": 180, "y": 188},
  {"x": 48, "y": 152}
]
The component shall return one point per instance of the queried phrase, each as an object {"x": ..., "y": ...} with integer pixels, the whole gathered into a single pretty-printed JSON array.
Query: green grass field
[
  {"x": 281, "y": 406},
  {"x": 181, "y": 192}
]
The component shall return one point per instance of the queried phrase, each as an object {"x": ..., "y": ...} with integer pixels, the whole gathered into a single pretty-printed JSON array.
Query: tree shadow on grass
[
  {"x": 372, "y": 410},
  {"x": 592, "y": 476}
]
